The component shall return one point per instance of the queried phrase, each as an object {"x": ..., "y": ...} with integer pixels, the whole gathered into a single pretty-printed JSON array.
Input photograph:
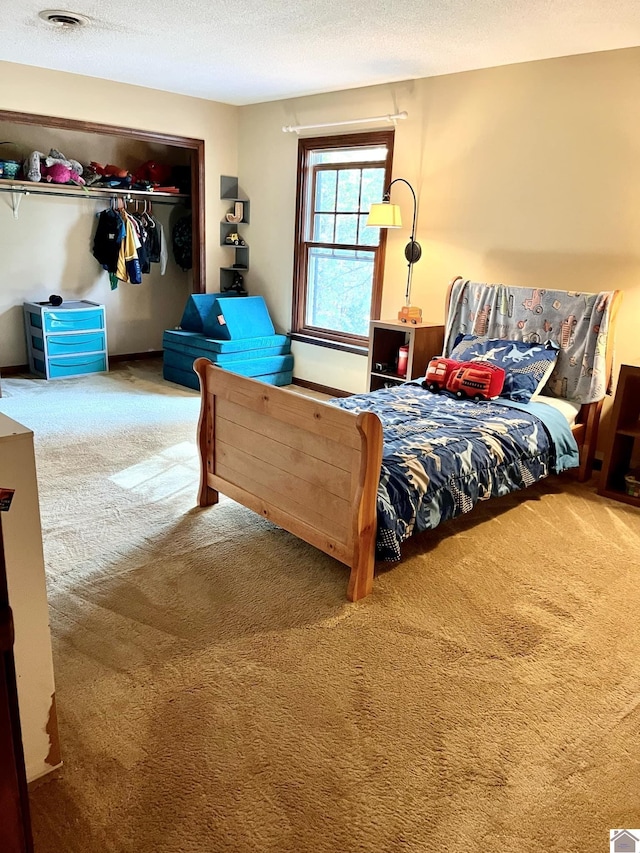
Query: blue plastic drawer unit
[{"x": 66, "y": 340}]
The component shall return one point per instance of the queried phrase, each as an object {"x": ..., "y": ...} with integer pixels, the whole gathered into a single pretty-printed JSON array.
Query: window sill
[{"x": 325, "y": 342}]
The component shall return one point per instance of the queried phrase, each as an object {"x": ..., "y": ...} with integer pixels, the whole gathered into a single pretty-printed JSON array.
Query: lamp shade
[{"x": 384, "y": 215}]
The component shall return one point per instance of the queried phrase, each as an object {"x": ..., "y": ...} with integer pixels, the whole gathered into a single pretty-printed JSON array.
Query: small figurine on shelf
[
  {"x": 238, "y": 213},
  {"x": 237, "y": 285},
  {"x": 410, "y": 314},
  {"x": 234, "y": 239}
]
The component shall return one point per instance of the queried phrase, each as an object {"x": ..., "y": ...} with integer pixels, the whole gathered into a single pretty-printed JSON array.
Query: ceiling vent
[{"x": 63, "y": 20}]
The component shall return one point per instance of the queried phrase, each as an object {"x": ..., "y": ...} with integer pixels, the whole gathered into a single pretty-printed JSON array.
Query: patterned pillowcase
[{"x": 527, "y": 366}]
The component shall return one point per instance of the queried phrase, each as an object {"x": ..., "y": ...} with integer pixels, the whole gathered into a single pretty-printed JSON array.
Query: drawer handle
[
  {"x": 81, "y": 363},
  {"x": 64, "y": 343},
  {"x": 72, "y": 321}
]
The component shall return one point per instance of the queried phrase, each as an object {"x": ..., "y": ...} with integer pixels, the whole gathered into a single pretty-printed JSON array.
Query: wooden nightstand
[
  {"x": 385, "y": 339},
  {"x": 622, "y": 450}
]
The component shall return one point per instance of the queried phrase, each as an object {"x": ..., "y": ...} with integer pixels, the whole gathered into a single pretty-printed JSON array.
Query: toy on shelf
[
  {"x": 53, "y": 167},
  {"x": 111, "y": 176},
  {"x": 153, "y": 173},
  {"x": 59, "y": 173},
  {"x": 237, "y": 285},
  {"x": 234, "y": 239},
  {"x": 410, "y": 314}
]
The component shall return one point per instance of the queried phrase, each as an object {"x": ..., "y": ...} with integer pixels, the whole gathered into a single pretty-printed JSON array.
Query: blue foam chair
[
  {"x": 235, "y": 319},
  {"x": 197, "y": 309}
]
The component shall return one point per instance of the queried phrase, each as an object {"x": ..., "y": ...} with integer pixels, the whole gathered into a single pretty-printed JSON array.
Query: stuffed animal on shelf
[
  {"x": 55, "y": 167},
  {"x": 56, "y": 158},
  {"x": 111, "y": 171},
  {"x": 110, "y": 175},
  {"x": 61, "y": 174},
  {"x": 90, "y": 174},
  {"x": 31, "y": 166},
  {"x": 153, "y": 173}
]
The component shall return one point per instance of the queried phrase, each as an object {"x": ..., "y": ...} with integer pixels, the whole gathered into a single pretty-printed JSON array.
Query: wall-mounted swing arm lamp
[{"x": 387, "y": 215}]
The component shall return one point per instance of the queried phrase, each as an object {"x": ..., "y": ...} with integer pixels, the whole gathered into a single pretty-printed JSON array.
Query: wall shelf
[{"x": 230, "y": 192}]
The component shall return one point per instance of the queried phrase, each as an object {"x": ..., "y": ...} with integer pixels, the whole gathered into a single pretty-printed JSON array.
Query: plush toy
[
  {"x": 90, "y": 174},
  {"x": 56, "y": 158},
  {"x": 154, "y": 173},
  {"x": 38, "y": 166},
  {"x": 112, "y": 176},
  {"x": 112, "y": 171},
  {"x": 478, "y": 380},
  {"x": 31, "y": 166},
  {"x": 109, "y": 171},
  {"x": 61, "y": 174},
  {"x": 117, "y": 183}
]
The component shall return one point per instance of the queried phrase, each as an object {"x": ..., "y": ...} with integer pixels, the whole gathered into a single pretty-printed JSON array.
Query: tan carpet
[{"x": 218, "y": 694}]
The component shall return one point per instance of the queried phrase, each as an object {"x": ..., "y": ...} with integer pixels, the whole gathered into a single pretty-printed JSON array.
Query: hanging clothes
[
  {"x": 108, "y": 237},
  {"x": 127, "y": 243},
  {"x": 183, "y": 242},
  {"x": 140, "y": 233},
  {"x": 164, "y": 251},
  {"x": 128, "y": 264},
  {"x": 153, "y": 231}
]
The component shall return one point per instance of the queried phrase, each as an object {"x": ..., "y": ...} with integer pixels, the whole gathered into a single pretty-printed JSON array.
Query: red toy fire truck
[{"x": 478, "y": 380}]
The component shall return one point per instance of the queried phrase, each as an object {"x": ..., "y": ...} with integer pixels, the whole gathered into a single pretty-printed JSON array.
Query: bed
[{"x": 356, "y": 476}]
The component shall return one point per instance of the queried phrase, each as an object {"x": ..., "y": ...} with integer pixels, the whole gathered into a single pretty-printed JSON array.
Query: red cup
[{"x": 403, "y": 357}]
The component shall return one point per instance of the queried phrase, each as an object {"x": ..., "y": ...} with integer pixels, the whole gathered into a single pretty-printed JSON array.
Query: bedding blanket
[{"x": 442, "y": 455}]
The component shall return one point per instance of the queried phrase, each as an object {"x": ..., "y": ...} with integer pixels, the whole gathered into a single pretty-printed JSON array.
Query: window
[{"x": 338, "y": 260}]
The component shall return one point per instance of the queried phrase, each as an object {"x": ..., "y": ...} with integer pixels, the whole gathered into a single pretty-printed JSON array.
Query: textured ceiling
[{"x": 261, "y": 50}]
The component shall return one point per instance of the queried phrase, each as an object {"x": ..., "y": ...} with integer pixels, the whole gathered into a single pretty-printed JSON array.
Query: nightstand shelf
[
  {"x": 622, "y": 452},
  {"x": 424, "y": 340}
]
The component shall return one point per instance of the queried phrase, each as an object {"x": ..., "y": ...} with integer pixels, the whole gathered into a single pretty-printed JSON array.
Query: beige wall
[
  {"x": 527, "y": 174},
  {"x": 48, "y": 249}
]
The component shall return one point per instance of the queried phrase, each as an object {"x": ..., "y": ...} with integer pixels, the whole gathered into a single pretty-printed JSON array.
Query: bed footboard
[{"x": 309, "y": 467}]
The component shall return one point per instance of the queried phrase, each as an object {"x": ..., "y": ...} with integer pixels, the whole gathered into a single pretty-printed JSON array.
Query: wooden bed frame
[{"x": 311, "y": 467}]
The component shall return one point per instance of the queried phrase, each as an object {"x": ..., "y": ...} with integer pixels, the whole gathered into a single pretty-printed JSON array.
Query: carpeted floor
[{"x": 218, "y": 694}]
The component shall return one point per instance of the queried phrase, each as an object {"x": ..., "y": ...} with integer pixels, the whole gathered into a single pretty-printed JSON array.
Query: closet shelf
[{"x": 72, "y": 191}]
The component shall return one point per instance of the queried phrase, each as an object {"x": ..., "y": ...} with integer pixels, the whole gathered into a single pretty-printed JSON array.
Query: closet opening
[{"x": 46, "y": 243}]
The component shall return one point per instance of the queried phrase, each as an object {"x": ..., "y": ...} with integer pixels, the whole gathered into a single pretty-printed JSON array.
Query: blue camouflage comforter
[{"x": 442, "y": 455}]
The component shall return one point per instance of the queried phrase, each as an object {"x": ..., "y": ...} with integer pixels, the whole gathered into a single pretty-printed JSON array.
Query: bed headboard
[{"x": 580, "y": 324}]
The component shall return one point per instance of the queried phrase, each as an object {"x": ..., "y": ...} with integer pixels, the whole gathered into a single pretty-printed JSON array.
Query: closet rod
[
  {"x": 296, "y": 128},
  {"x": 104, "y": 194}
]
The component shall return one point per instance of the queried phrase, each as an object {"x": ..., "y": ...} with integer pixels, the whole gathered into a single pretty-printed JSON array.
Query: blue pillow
[{"x": 527, "y": 366}]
